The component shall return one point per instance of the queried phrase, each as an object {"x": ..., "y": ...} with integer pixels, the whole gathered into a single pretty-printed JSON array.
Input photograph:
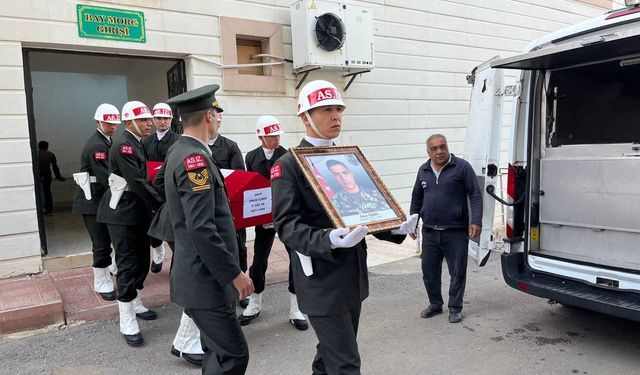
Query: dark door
[{"x": 176, "y": 84}]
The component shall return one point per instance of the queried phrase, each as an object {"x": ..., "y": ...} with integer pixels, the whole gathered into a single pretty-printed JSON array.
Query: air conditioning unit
[{"x": 330, "y": 34}]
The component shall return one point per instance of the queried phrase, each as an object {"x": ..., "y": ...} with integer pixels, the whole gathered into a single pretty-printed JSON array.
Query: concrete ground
[{"x": 503, "y": 332}]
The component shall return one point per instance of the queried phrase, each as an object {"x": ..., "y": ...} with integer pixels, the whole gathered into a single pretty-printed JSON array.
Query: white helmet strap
[
  {"x": 101, "y": 127},
  {"x": 135, "y": 124},
  {"x": 314, "y": 127}
]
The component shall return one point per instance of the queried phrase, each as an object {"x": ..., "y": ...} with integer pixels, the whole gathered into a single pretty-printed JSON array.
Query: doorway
[{"x": 66, "y": 89}]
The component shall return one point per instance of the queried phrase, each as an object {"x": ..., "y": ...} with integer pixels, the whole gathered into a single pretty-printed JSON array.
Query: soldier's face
[
  {"x": 162, "y": 123},
  {"x": 438, "y": 151},
  {"x": 271, "y": 142},
  {"x": 144, "y": 125},
  {"x": 328, "y": 120},
  {"x": 344, "y": 178},
  {"x": 108, "y": 129}
]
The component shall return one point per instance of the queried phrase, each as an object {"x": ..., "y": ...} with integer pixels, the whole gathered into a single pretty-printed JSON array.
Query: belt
[{"x": 93, "y": 179}]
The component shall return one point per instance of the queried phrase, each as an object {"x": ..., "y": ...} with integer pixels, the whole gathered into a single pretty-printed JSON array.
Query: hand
[
  {"x": 243, "y": 285},
  {"x": 408, "y": 226},
  {"x": 341, "y": 237},
  {"x": 474, "y": 230}
]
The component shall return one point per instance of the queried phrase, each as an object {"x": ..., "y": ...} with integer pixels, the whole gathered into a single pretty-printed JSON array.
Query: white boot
[
  {"x": 102, "y": 282},
  {"x": 113, "y": 268},
  {"x": 187, "y": 338},
  {"x": 255, "y": 305},
  {"x": 141, "y": 311},
  {"x": 128, "y": 321},
  {"x": 295, "y": 315}
]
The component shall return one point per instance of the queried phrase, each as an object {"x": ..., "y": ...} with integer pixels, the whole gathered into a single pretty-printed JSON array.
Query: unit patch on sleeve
[
  {"x": 98, "y": 155},
  {"x": 196, "y": 166},
  {"x": 276, "y": 172},
  {"x": 126, "y": 149}
]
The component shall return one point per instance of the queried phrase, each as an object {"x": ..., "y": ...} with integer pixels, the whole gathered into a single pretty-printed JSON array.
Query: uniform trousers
[
  {"x": 337, "y": 349},
  {"x": 451, "y": 245},
  {"x": 223, "y": 343},
  {"x": 133, "y": 259},
  {"x": 241, "y": 237},
  {"x": 100, "y": 241},
  {"x": 261, "y": 250}
]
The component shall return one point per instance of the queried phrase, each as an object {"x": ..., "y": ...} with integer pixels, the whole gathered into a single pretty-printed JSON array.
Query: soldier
[
  {"x": 353, "y": 199},
  {"x": 260, "y": 160},
  {"x": 227, "y": 155},
  {"x": 126, "y": 209},
  {"x": 336, "y": 258},
  {"x": 156, "y": 147},
  {"x": 94, "y": 162},
  {"x": 205, "y": 277}
]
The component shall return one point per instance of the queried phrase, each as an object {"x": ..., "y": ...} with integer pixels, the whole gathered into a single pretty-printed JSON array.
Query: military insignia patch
[
  {"x": 276, "y": 172},
  {"x": 126, "y": 149},
  {"x": 100, "y": 155},
  {"x": 199, "y": 180}
]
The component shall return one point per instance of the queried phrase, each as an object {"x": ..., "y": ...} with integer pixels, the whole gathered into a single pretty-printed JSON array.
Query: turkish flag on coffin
[{"x": 249, "y": 196}]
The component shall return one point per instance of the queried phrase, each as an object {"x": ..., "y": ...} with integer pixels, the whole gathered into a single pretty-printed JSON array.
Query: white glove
[
  {"x": 409, "y": 225},
  {"x": 342, "y": 237}
]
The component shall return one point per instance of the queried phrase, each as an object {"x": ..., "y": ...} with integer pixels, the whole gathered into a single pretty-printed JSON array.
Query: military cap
[{"x": 196, "y": 100}]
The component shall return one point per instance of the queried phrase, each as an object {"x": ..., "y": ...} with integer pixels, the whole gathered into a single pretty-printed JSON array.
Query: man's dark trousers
[
  {"x": 452, "y": 245},
  {"x": 132, "y": 258},
  {"x": 225, "y": 349},
  {"x": 337, "y": 349}
]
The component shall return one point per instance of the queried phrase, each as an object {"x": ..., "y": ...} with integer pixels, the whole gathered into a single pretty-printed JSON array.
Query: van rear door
[{"x": 482, "y": 148}]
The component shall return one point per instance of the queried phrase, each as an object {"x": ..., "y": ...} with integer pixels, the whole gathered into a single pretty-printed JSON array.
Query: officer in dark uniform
[
  {"x": 126, "y": 209},
  {"x": 94, "y": 167},
  {"x": 260, "y": 160},
  {"x": 227, "y": 155},
  {"x": 205, "y": 277},
  {"x": 156, "y": 147},
  {"x": 330, "y": 269}
]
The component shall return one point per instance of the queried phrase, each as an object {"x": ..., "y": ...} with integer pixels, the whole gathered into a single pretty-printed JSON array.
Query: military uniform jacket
[
  {"x": 257, "y": 162},
  {"x": 157, "y": 149},
  {"x": 95, "y": 160},
  {"x": 160, "y": 227},
  {"x": 127, "y": 160},
  {"x": 340, "y": 281},
  {"x": 205, "y": 259},
  {"x": 226, "y": 153}
]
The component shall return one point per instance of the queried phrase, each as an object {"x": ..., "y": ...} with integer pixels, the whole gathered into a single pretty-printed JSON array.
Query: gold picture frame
[{"x": 348, "y": 188}]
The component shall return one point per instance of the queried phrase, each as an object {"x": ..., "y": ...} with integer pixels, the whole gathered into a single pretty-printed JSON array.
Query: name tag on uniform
[
  {"x": 100, "y": 156},
  {"x": 126, "y": 149}
]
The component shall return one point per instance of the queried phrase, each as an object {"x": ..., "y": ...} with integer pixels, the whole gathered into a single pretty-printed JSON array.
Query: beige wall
[{"x": 423, "y": 51}]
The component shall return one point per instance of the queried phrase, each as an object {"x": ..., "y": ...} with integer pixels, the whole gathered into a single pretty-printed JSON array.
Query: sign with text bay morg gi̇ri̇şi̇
[{"x": 110, "y": 23}]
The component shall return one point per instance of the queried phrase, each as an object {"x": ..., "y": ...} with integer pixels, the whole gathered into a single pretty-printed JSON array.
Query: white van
[{"x": 573, "y": 232}]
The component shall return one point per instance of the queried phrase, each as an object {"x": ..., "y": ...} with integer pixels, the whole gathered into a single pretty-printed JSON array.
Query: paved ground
[{"x": 504, "y": 332}]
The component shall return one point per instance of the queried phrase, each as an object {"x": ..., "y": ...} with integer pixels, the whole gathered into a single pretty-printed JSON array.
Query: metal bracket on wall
[
  {"x": 305, "y": 74},
  {"x": 353, "y": 76}
]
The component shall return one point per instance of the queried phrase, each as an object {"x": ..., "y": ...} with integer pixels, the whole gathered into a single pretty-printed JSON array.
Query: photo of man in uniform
[{"x": 353, "y": 199}]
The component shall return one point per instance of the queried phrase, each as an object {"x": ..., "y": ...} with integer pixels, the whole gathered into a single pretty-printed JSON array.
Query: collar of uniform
[
  {"x": 161, "y": 135},
  {"x": 268, "y": 153},
  {"x": 134, "y": 134},
  {"x": 205, "y": 147},
  {"x": 212, "y": 141},
  {"x": 102, "y": 134},
  {"x": 318, "y": 142}
]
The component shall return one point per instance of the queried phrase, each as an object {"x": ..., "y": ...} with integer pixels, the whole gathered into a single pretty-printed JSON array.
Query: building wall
[{"x": 423, "y": 51}]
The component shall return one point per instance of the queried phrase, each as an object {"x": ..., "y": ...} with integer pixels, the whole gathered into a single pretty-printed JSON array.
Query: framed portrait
[{"x": 348, "y": 188}]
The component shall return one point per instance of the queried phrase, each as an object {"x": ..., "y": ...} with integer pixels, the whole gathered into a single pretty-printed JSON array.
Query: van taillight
[
  {"x": 511, "y": 195},
  {"x": 523, "y": 286}
]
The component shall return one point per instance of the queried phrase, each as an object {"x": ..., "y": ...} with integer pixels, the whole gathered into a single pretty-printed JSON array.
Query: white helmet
[
  {"x": 134, "y": 110},
  {"x": 107, "y": 113},
  {"x": 267, "y": 126},
  {"x": 162, "y": 110},
  {"x": 318, "y": 93}
]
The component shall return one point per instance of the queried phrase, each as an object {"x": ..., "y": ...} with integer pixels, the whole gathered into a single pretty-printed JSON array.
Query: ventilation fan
[{"x": 329, "y": 31}]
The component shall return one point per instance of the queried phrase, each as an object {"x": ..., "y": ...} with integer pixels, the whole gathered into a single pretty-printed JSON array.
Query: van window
[{"x": 593, "y": 104}]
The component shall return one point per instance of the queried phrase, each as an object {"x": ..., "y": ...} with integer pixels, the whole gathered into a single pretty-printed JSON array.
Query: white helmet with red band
[
  {"x": 134, "y": 110},
  {"x": 267, "y": 126},
  {"x": 162, "y": 110},
  {"x": 318, "y": 93},
  {"x": 107, "y": 113}
]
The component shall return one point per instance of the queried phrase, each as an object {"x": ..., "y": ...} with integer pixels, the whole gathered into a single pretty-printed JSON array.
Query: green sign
[{"x": 109, "y": 23}]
